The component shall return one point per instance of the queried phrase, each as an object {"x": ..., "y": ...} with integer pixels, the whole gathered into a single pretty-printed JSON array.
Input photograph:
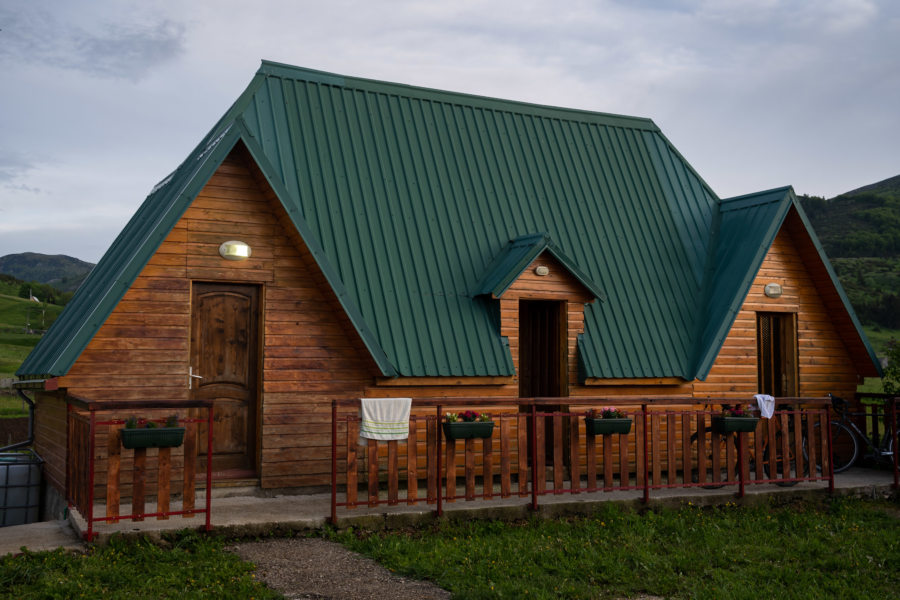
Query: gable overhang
[
  {"x": 786, "y": 211},
  {"x": 517, "y": 255},
  {"x": 107, "y": 284}
]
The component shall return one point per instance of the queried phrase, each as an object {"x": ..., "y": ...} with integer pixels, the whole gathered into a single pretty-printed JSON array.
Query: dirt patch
[{"x": 315, "y": 568}]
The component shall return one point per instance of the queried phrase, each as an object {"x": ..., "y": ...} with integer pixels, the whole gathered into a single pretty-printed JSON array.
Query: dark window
[{"x": 776, "y": 343}]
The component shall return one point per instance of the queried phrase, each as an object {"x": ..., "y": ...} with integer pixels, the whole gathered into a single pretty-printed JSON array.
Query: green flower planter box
[
  {"x": 155, "y": 437},
  {"x": 463, "y": 430},
  {"x": 598, "y": 426},
  {"x": 734, "y": 424}
]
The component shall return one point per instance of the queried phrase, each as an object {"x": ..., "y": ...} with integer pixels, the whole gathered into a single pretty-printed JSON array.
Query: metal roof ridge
[
  {"x": 781, "y": 189},
  {"x": 275, "y": 69}
]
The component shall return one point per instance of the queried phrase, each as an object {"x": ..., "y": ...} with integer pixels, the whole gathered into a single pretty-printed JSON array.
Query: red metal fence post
[
  {"x": 90, "y": 491},
  {"x": 741, "y": 449},
  {"x": 894, "y": 445},
  {"x": 209, "y": 451},
  {"x": 334, "y": 462},
  {"x": 646, "y": 461},
  {"x": 440, "y": 487},
  {"x": 534, "y": 501},
  {"x": 830, "y": 450}
]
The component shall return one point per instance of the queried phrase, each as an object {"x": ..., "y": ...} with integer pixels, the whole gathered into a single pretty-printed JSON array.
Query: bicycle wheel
[
  {"x": 710, "y": 482},
  {"x": 844, "y": 446}
]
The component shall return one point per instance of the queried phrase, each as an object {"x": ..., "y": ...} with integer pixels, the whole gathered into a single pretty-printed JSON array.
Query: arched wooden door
[{"x": 225, "y": 354}]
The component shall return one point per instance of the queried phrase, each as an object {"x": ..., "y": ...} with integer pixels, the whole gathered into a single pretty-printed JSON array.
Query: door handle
[{"x": 192, "y": 377}]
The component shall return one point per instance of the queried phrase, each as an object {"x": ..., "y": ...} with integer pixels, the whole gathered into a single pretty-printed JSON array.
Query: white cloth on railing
[
  {"x": 384, "y": 418},
  {"x": 766, "y": 404}
]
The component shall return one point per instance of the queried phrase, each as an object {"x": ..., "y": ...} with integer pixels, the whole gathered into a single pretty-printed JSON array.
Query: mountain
[
  {"x": 860, "y": 231},
  {"x": 60, "y": 271}
]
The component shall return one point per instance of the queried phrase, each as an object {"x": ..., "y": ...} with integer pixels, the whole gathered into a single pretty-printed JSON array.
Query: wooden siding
[
  {"x": 50, "y": 436},
  {"x": 825, "y": 364}
]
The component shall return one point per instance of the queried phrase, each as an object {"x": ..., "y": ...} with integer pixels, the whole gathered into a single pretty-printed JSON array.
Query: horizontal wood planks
[{"x": 824, "y": 362}]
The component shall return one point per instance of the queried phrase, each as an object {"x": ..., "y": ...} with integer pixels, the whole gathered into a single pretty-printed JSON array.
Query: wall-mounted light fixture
[
  {"x": 542, "y": 270},
  {"x": 773, "y": 290},
  {"x": 234, "y": 250}
]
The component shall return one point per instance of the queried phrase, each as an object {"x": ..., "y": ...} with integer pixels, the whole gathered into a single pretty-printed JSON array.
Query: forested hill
[
  {"x": 63, "y": 272},
  {"x": 860, "y": 231}
]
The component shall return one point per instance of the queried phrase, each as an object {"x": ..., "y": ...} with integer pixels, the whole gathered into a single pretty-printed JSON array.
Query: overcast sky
[{"x": 101, "y": 99}]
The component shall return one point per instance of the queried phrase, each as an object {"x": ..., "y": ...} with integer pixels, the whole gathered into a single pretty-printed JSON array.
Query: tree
[{"x": 891, "y": 379}]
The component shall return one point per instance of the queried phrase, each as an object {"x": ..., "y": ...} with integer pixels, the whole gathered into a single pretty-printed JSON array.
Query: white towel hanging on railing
[
  {"x": 384, "y": 418},
  {"x": 766, "y": 404}
]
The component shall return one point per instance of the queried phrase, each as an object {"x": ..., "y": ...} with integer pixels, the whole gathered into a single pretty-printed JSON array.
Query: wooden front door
[{"x": 225, "y": 354}]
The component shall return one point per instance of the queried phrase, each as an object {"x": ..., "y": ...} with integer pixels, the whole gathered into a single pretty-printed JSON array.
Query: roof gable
[
  {"x": 747, "y": 229},
  {"x": 515, "y": 258}
]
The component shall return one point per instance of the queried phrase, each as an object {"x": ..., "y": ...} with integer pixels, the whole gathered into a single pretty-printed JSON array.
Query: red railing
[
  {"x": 89, "y": 420},
  {"x": 671, "y": 444}
]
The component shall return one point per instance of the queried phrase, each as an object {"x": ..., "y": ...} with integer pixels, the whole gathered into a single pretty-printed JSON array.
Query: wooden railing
[
  {"x": 90, "y": 422},
  {"x": 671, "y": 444}
]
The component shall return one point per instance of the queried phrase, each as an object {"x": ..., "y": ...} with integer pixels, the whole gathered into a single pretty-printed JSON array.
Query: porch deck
[{"x": 247, "y": 512}]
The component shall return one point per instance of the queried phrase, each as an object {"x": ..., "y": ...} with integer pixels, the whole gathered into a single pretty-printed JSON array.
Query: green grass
[
  {"x": 14, "y": 343},
  {"x": 12, "y": 406},
  {"x": 845, "y": 549},
  {"x": 835, "y": 549},
  {"x": 879, "y": 338},
  {"x": 14, "y": 347},
  {"x": 16, "y": 312},
  {"x": 194, "y": 567}
]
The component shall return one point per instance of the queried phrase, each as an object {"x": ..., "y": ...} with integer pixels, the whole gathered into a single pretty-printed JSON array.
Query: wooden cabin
[{"x": 400, "y": 241}]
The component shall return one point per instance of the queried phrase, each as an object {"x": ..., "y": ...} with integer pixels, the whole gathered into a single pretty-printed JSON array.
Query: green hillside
[
  {"x": 63, "y": 272},
  {"x": 860, "y": 231},
  {"x": 17, "y": 317}
]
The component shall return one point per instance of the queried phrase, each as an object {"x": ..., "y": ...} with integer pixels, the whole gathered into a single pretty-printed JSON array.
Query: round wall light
[
  {"x": 234, "y": 250},
  {"x": 542, "y": 270},
  {"x": 773, "y": 290}
]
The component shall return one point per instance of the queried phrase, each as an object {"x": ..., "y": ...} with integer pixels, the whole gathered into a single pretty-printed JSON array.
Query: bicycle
[
  {"x": 846, "y": 436},
  {"x": 727, "y": 447}
]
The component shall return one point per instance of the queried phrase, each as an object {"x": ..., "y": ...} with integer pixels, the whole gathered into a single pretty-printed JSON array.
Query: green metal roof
[{"x": 408, "y": 199}]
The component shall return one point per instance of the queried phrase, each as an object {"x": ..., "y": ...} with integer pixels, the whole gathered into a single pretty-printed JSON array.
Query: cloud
[
  {"x": 127, "y": 49},
  {"x": 12, "y": 166}
]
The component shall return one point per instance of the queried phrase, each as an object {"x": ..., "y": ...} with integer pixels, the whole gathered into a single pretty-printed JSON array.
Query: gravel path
[{"x": 315, "y": 568}]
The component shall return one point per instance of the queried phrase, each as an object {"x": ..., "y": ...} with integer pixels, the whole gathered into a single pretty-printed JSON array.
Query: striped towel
[{"x": 384, "y": 418}]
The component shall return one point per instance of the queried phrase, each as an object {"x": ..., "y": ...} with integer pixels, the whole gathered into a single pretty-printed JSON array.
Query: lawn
[
  {"x": 844, "y": 549},
  {"x": 194, "y": 566},
  {"x": 839, "y": 548},
  {"x": 879, "y": 338},
  {"x": 14, "y": 347}
]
